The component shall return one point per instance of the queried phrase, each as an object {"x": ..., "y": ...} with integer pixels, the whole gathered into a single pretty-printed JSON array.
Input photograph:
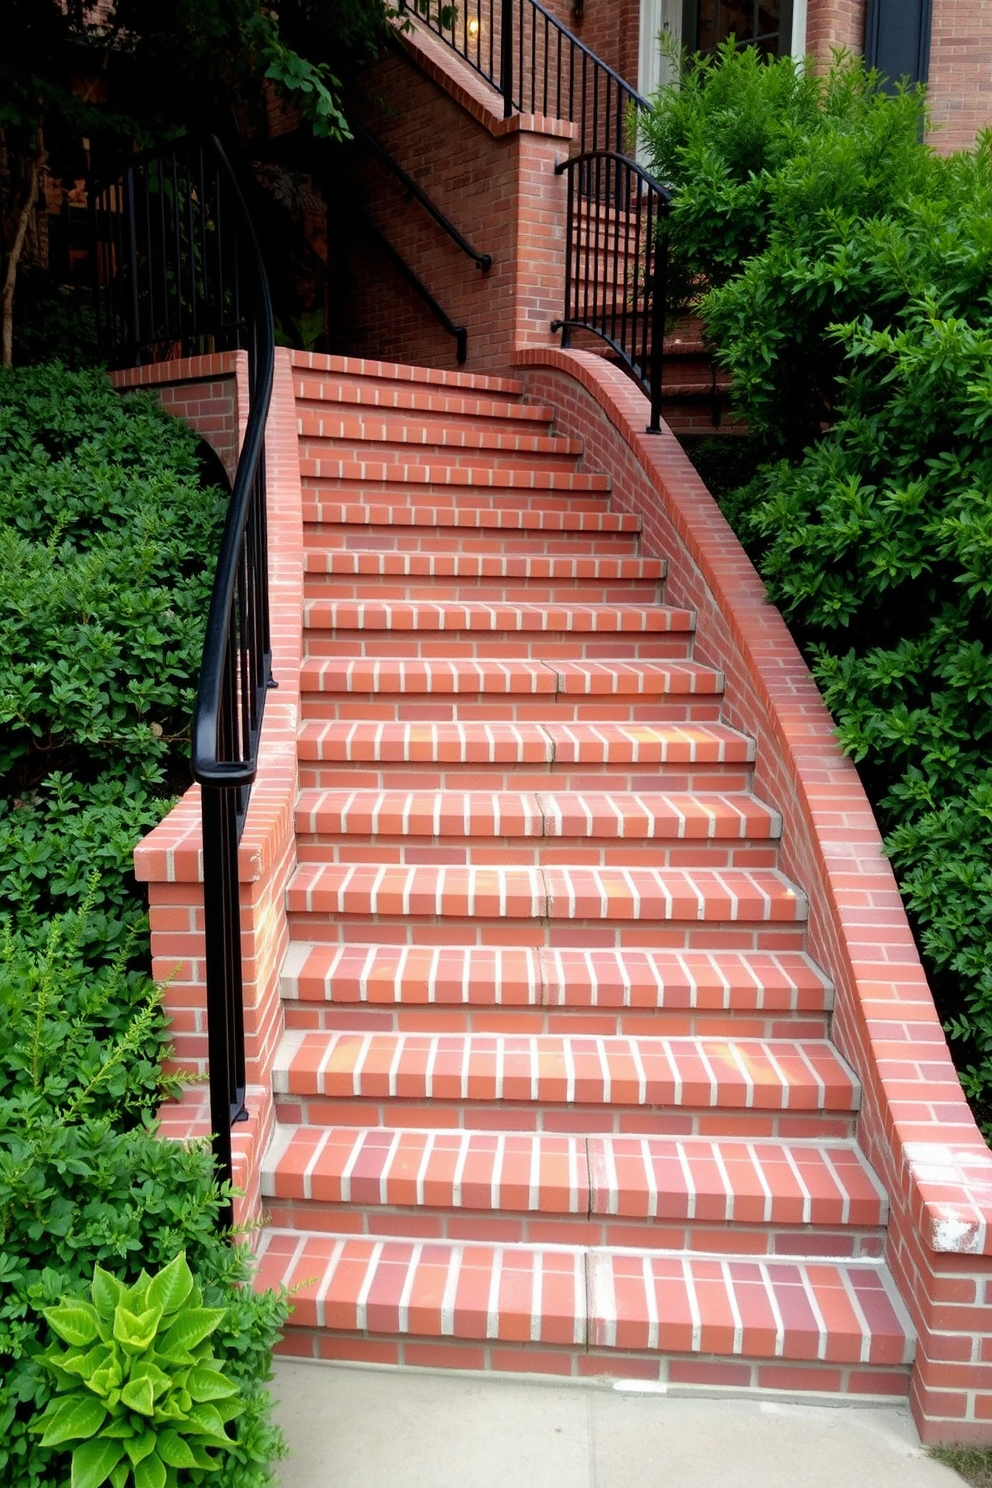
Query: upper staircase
[{"x": 557, "y": 1091}]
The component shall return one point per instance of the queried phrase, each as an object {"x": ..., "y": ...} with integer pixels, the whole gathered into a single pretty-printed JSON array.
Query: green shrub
[
  {"x": 852, "y": 301},
  {"x": 73, "y": 1194},
  {"x": 67, "y": 842},
  {"x": 107, "y": 536}
]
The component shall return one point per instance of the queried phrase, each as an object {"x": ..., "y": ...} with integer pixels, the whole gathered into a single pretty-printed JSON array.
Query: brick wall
[
  {"x": 914, "y": 1124},
  {"x": 834, "y": 23},
  {"x": 205, "y": 392},
  {"x": 960, "y": 72},
  {"x": 494, "y": 179}
]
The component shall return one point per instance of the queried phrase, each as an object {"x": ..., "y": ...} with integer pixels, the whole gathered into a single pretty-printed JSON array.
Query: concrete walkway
[{"x": 357, "y": 1427}]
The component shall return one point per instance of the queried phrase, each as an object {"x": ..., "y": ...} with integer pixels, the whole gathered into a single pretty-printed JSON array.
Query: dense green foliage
[
  {"x": 853, "y": 308},
  {"x": 107, "y": 530},
  {"x": 104, "y": 523}
]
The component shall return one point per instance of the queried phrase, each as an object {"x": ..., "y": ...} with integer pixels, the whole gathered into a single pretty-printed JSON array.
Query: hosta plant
[{"x": 140, "y": 1399}]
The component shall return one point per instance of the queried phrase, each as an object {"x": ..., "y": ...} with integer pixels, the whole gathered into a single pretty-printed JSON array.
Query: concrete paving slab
[{"x": 359, "y": 1427}]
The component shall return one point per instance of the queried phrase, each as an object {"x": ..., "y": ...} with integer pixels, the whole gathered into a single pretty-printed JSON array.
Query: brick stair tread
[
  {"x": 762, "y": 896},
  {"x": 523, "y": 743},
  {"x": 537, "y": 976},
  {"x": 485, "y": 475},
  {"x": 353, "y": 395},
  {"x": 585, "y": 1069},
  {"x": 559, "y": 567},
  {"x": 525, "y": 676},
  {"x": 728, "y": 1180},
  {"x": 413, "y": 433},
  {"x": 670, "y": 1302},
  {"x": 310, "y": 367},
  {"x": 493, "y": 518},
  {"x": 685, "y": 816},
  {"x": 495, "y": 616}
]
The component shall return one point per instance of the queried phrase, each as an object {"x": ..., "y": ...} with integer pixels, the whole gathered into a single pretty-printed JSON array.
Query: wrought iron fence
[
  {"x": 616, "y": 254},
  {"x": 616, "y": 263},
  {"x": 179, "y": 274}
]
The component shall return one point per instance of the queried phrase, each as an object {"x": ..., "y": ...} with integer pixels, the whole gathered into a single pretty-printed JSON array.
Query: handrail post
[
  {"x": 506, "y": 57},
  {"x": 659, "y": 292}
]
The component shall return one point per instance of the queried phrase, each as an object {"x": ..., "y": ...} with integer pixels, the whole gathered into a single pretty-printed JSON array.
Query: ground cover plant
[
  {"x": 106, "y": 532},
  {"x": 851, "y": 297}
]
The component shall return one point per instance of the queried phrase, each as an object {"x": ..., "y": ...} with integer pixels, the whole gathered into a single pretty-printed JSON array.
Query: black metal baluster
[{"x": 506, "y": 56}]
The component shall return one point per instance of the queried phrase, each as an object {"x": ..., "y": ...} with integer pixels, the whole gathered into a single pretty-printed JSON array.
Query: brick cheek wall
[
  {"x": 202, "y": 390},
  {"x": 169, "y": 859},
  {"x": 914, "y": 1123},
  {"x": 494, "y": 179}
]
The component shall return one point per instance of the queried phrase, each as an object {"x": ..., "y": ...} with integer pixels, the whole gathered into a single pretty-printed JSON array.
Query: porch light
[{"x": 473, "y": 27}]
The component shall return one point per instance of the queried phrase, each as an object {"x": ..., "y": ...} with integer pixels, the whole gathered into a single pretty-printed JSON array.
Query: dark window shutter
[{"x": 897, "y": 39}]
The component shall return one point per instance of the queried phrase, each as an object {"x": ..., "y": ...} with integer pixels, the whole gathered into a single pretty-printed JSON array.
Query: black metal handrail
[
  {"x": 460, "y": 333},
  {"x": 616, "y": 263},
  {"x": 180, "y": 273},
  {"x": 537, "y": 65},
  {"x": 482, "y": 260}
]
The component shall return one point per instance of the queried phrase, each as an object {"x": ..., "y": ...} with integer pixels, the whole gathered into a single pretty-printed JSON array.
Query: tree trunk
[{"x": 17, "y": 247}]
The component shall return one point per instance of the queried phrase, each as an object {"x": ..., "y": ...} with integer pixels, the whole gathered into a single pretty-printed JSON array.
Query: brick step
[
  {"x": 554, "y": 747},
  {"x": 455, "y": 629},
  {"x": 529, "y": 989},
  {"x": 569, "y": 981},
  {"x": 339, "y": 433},
  {"x": 482, "y": 577},
  {"x": 585, "y": 816},
  {"x": 480, "y": 529},
  {"x": 670, "y": 1316},
  {"x": 375, "y": 396},
  {"x": 381, "y": 476},
  {"x": 316, "y": 375},
  {"x": 328, "y": 1174},
  {"x": 399, "y": 496},
  {"x": 684, "y": 1086},
  {"x": 554, "y": 893},
  {"x": 513, "y": 676}
]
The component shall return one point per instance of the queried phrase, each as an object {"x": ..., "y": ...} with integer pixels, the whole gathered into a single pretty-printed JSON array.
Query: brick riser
[{"x": 556, "y": 1091}]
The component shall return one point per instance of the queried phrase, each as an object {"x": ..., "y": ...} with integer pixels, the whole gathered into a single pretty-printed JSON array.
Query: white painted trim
[{"x": 799, "y": 16}]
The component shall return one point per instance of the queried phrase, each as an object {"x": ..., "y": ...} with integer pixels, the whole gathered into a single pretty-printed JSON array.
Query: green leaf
[
  {"x": 150, "y": 1473},
  {"x": 106, "y": 1292},
  {"x": 74, "y": 1322},
  {"x": 189, "y": 1329},
  {"x": 120, "y": 1475},
  {"x": 77, "y": 1416},
  {"x": 171, "y": 1287},
  {"x": 139, "y": 1447},
  {"x": 135, "y": 1332},
  {"x": 174, "y": 1451},
  {"x": 138, "y": 1395},
  {"x": 204, "y": 1383},
  {"x": 93, "y": 1462}
]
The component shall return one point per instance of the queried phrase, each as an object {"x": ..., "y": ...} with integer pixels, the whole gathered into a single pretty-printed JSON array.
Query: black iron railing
[
  {"x": 616, "y": 263},
  {"x": 537, "y": 65},
  {"x": 616, "y": 247},
  {"x": 482, "y": 261},
  {"x": 415, "y": 282},
  {"x": 180, "y": 273}
]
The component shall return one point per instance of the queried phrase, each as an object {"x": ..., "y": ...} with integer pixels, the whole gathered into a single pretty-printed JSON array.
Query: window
[{"x": 766, "y": 24}]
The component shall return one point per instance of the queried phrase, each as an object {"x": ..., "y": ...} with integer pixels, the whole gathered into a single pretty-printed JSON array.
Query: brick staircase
[{"x": 556, "y": 1091}]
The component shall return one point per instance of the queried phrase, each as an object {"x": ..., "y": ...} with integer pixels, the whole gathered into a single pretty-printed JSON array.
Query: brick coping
[{"x": 919, "y": 1131}]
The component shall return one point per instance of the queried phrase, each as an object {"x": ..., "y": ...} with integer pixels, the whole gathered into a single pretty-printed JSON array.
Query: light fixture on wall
[
  {"x": 473, "y": 28},
  {"x": 578, "y": 10}
]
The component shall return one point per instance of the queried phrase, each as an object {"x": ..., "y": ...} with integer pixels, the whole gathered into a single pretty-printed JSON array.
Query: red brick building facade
[{"x": 957, "y": 35}]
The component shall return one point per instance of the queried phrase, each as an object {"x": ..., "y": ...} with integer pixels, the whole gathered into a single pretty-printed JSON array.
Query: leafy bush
[
  {"x": 76, "y": 1193},
  {"x": 780, "y": 176},
  {"x": 853, "y": 309},
  {"x": 105, "y": 536},
  {"x": 137, "y": 1384}
]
